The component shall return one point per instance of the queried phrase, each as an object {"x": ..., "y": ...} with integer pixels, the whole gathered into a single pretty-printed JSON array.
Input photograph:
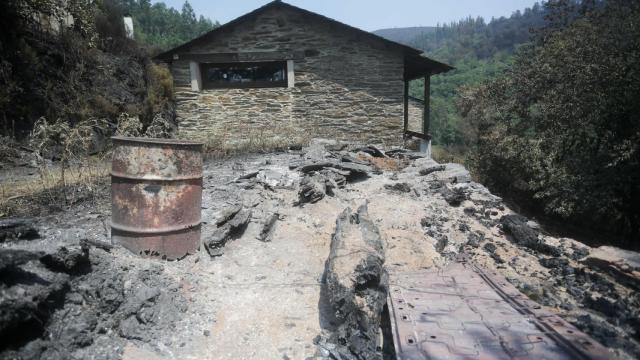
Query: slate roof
[{"x": 416, "y": 64}]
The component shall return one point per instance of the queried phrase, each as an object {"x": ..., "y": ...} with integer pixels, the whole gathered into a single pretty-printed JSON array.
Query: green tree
[
  {"x": 164, "y": 27},
  {"x": 561, "y": 130},
  {"x": 480, "y": 51}
]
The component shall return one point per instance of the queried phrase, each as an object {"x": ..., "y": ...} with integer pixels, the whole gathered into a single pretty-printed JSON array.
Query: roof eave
[{"x": 418, "y": 64}]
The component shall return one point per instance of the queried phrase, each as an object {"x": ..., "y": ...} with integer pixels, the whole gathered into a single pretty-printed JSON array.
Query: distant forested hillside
[
  {"x": 404, "y": 34},
  {"x": 475, "y": 38},
  {"x": 165, "y": 27},
  {"x": 479, "y": 50}
]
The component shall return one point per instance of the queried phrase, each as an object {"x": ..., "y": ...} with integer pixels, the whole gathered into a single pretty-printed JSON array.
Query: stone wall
[{"x": 346, "y": 87}]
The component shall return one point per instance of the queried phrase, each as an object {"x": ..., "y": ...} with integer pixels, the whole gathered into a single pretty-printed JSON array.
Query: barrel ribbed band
[{"x": 162, "y": 230}]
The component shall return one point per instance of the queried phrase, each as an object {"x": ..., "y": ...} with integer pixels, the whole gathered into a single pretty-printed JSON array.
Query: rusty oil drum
[{"x": 156, "y": 196}]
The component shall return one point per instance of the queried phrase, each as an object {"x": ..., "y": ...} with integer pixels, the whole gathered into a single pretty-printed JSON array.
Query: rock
[
  {"x": 532, "y": 224},
  {"x": 551, "y": 263},
  {"x": 228, "y": 212},
  {"x": 475, "y": 238},
  {"x": 604, "y": 305},
  {"x": 317, "y": 148},
  {"x": 106, "y": 246},
  {"x": 277, "y": 179},
  {"x": 399, "y": 187},
  {"x": 268, "y": 227},
  {"x": 312, "y": 189},
  {"x": 431, "y": 169},
  {"x": 578, "y": 252},
  {"x": 10, "y": 258},
  {"x": 559, "y": 266},
  {"x": 623, "y": 264},
  {"x": 371, "y": 150},
  {"x": 79, "y": 333},
  {"x": 247, "y": 176},
  {"x": 350, "y": 159},
  {"x": 334, "y": 179},
  {"x": 497, "y": 258},
  {"x": 452, "y": 173},
  {"x": 233, "y": 228},
  {"x": 129, "y": 329},
  {"x": 27, "y": 301},
  {"x": 149, "y": 306},
  {"x": 356, "y": 286},
  {"x": 441, "y": 243},
  {"x": 490, "y": 248},
  {"x": 17, "y": 229},
  {"x": 355, "y": 170},
  {"x": 522, "y": 234},
  {"x": 453, "y": 196},
  {"x": 68, "y": 260},
  {"x": 407, "y": 154}
]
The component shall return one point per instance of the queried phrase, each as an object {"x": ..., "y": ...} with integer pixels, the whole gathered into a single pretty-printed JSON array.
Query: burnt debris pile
[{"x": 73, "y": 300}]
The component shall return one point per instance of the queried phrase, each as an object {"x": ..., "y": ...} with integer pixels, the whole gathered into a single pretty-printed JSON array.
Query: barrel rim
[
  {"x": 157, "y": 141},
  {"x": 138, "y": 177}
]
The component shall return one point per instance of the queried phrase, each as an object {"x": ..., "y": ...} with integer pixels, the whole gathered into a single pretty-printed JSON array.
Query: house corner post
[
  {"x": 196, "y": 76},
  {"x": 425, "y": 143}
]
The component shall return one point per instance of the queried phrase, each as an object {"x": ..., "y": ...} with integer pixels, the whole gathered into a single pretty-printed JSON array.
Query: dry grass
[
  {"x": 24, "y": 195},
  {"x": 384, "y": 164},
  {"x": 447, "y": 154},
  {"x": 223, "y": 144},
  {"x": 73, "y": 178}
]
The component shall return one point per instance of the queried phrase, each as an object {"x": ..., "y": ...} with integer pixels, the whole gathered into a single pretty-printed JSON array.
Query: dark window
[{"x": 244, "y": 75}]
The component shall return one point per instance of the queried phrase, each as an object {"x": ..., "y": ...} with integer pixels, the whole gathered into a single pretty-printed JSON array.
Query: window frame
[{"x": 209, "y": 85}]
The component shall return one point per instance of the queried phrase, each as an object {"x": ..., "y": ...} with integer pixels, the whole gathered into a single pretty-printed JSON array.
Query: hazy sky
[{"x": 368, "y": 14}]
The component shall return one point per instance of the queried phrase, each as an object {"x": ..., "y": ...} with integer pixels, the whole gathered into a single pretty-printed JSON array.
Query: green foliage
[
  {"x": 446, "y": 123},
  {"x": 75, "y": 72},
  {"x": 480, "y": 51},
  {"x": 163, "y": 27},
  {"x": 561, "y": 128}
]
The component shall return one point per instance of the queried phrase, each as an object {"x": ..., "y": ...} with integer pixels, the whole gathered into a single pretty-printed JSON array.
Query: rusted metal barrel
[{"x": 156, "y": 196}]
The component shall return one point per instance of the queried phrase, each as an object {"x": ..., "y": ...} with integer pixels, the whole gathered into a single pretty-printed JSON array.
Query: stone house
[{"x": 284, "y": 74}]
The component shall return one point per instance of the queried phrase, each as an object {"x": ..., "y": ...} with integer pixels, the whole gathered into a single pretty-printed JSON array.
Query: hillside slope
[
  {"x": 404, "y": 35},
  {"x": 479, "y": 50}
]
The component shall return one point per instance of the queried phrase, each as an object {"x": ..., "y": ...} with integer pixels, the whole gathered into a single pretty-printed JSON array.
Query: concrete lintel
[
  {"x": 196, "y": 76},
  {"x": 291, "y": 82}
]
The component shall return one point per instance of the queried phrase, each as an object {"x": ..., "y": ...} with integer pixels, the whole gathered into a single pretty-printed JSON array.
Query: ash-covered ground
[{"x": 257, "y": 289}]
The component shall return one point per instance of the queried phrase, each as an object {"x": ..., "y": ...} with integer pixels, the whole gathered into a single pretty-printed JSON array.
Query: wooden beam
[
  {"x": 243, "y": 56},
  {"x": 406, "y": 106},
  {"x": 426, "y": 117},
  {"x": 418, "y": 135}
]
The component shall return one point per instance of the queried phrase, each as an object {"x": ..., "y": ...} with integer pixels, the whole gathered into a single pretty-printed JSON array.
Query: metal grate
[{"x": 463, "y": 312}]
